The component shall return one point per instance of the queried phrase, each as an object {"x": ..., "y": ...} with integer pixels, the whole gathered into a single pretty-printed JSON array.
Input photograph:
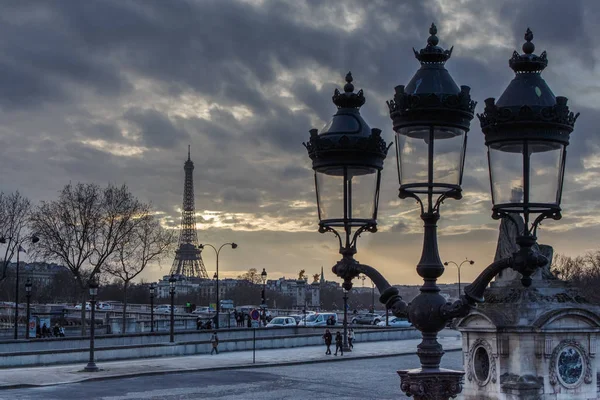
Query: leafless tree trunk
[
  {"x": 147, "y": 242},
  {"x": 14, "y": 215}
]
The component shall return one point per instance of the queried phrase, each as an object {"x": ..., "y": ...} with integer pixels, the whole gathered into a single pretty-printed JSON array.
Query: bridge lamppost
[
  {"x": 263, "y": 276},
  {"x": 17, "y": 242},
  {"x": 28, "y": 295},
  {"x": 217, "y": 252},
  {"x": 458, "y": 266},
  {"x": 152, "y": 291},
  {"x": 93, "y": 288},
  {"x": 172, "y": 281}
]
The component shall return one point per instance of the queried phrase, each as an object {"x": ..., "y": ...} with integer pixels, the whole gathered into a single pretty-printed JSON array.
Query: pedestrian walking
[
  {"x": 351, "y": 338},
  {"x": 338, "y": 343},
  {"x": 327, "y": 336},
  {"x": 61, "y": 331},
  {"x": 198, "y": 323},
  {"x": 214, "y": 340},
  {"x": 56, "y": 330},
  {"x": 45, "y": 331}
]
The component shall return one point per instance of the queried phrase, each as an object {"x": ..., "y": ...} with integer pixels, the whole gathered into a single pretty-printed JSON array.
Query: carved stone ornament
[
  {"x": 442, "y": 384},
  {"x": 476, "y": 367},
  {"x": 569, "y": 364}
]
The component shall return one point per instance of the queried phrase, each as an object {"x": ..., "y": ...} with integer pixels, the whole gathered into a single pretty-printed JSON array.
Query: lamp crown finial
[
  {"x": 348, "y": 99},
  {"x": 433, "y": 39},
  {"x": 528, "y": 62},
  {"x": 432, "y": 53}
]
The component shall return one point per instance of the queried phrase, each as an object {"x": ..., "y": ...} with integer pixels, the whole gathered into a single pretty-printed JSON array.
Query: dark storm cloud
[
  {"x": 98, "y": 90},
  {"x": 156, "y": 129}
]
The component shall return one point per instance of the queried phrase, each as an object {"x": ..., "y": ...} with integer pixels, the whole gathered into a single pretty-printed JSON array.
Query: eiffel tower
[{"x": 188, "y": 259}]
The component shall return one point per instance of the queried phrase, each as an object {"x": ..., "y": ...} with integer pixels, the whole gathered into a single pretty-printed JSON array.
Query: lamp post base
[
  {"x": 91, "y": 367},
  {"x": 431, "y": 384}
]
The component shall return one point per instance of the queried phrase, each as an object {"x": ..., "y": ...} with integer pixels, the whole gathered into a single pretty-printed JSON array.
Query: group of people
[
  {"x": 44, "y": 331},
  {"x": 203, "y": 324},
  {"x": 243, "y": 319},
  {"x": 339, "y": 341}
]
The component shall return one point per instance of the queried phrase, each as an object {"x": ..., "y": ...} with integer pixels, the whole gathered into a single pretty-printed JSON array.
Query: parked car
[
  {"x": 203, "y": 310},
  {"x": 281, "y": 321},
  {"x": 367, "y": 319},
  {"x": 87, "y": 306},
  {"x": 104, "y": 306},
  {"x": 300, "y": 317},
  {"x": 164, "y": 309},
  {"x": 396, "y": 322},
  {"x": 320, "y": 319}
]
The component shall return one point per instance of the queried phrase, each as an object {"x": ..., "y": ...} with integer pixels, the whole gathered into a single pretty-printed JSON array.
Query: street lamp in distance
[
  {"x": 263, "y": 276},
  {"x": 28, "y": 294},
  {"x": 471, "y": 262},
  {"x": 17, "y": 243},
  {"x": 172, "y": 281},
  {"x": 93, "y": 288},
  {"x": 152, "y": 291},
  {"x": 217, "y": 252}
]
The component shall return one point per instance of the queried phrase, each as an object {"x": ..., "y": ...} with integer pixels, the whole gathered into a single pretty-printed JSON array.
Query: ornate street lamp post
[
  {"x": 217, "y": 252},
  {"x": 471, "y": 262},
  {"x": 347, "y": 157},
  {"x": 93, "y": 288},
  {"x": 17, "y": 244},
  {"x": 263, "y": 276},
  {"x": 431, "y": 118},
  {"x": 28, "y": 295},
  {"x": 172, "y": 281},
  {"x": 346, "y": 347},
  {"x": 152, "y": 290}
]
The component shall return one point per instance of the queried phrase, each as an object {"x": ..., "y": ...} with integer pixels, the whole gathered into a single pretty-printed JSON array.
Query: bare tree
[
  {"x": 82, "y": 228},
  {"x": 568, "y": 268},
  {"x": 251, "y": 276},
  {"x": 14, "y": 215},
  {"x": 583, "y": 272},
  {"x": 147, "y": 242}
]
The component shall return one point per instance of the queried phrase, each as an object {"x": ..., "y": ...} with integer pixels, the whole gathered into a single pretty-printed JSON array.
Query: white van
[{"x": 320, "y": 319}]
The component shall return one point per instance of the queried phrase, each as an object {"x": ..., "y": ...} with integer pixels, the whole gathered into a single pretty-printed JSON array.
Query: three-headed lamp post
[
  {"x": 93, "y": 288},
  {"x": 152, "y": 292},
  {"x": 28, "y": 286},
  {"x": 172, "y": 281},
  {"x": 526, "y": 132}
]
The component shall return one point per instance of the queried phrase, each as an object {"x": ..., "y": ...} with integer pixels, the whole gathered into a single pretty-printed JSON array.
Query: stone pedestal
[
  {"x": 531, "y": 343},
  {"x": 431, "y": 384}
]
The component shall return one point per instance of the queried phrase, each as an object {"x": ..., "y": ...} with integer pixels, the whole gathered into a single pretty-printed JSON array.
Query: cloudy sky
[{"x": 114, "y": 91}]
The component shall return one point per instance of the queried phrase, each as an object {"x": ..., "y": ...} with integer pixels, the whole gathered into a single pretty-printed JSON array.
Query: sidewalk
[{"x": 64, "y": 374}]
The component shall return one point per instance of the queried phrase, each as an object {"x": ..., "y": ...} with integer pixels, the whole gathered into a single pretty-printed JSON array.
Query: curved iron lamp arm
[
  {"x": 525, "y": 261},
  {"x": 348, "y": 268}
]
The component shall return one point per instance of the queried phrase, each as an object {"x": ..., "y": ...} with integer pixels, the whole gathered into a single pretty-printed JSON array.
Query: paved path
[{"x": 56, "y": 375}]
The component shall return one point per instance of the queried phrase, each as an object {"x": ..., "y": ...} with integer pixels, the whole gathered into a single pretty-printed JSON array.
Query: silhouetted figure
[
  {"x": 214, "y": 340},
  {"x": 45, "y": 331},
  {"x": 350, "y": 338},
  {"x": 328, "y": 338},
  {"x": 338, "y": 343}
]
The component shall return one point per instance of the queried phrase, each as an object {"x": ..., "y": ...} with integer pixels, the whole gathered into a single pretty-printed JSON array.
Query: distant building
[{"x": 40, "y": 273}]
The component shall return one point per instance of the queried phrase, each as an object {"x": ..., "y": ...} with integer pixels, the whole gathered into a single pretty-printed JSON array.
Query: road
[{"x": 356, "y": 379}]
